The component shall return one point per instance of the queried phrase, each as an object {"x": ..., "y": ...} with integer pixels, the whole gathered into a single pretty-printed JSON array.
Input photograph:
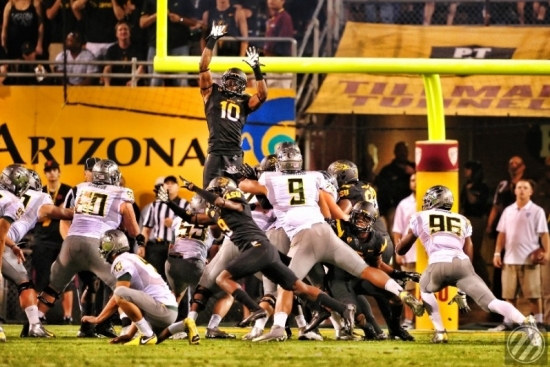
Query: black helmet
[
  {"x": 345, "y": 171},
  {"x": 218, "y": 184},
  {"x": 269, "y": 163},
  {"x": 239, "y": 79},
  {"x": 363, "y": 215},
  {"x": 438, "y": 197}
]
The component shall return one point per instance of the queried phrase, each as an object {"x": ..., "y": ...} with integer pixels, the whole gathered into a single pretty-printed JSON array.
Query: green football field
[{"x": 464, "y": 349}]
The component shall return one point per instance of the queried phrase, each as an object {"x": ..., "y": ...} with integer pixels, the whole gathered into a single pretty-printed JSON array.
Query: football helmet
[
  {"x": 438, "y": 197},
  {"x": 269, "y": 163},
  {"x": 197, "y": 205},
  {"x": 331, "y": 185},
  {"x": 106, "y": 172},
  {"x": 113, "y": 242},
  {"x": 363, "y": 215},
  {"x": 35, "y": 182},
  {"x": 289, "y": 160},
  {"x": 345, "y": 171},
  {"x": 285, "y": 145},
  {"x": 234, "y": 81},
  {"x": 218, "y": 184},
  {"x": 15, "y": 179}
]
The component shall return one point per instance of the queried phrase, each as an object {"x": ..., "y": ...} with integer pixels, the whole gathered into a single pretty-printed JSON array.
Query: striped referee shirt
[{"x": 155, "y": 216}]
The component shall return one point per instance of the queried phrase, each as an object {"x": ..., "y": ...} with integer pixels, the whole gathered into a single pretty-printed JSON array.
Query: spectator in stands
[
  {"x": 180, "y": 19},
  {"x": 279, "y": 24},
  {"x": 58, "y": 22},
  {"x": 474, "y": 197},
  {"x": 98, "y": 21},
  {"x": 74, "y": 53},
  {"x": 39, "y": 69},
  {"x": 235, "y": 18},
  {"x": 130, "y": 11},
  {"x": 542, "y": 198},
  {"x": 392, "y": 182},
  {"x": 123, "y": 50},
  {"x": 520, "y": 228},
  {"x": 429, "y": 9},
  {"x": 22, "y": 22}
]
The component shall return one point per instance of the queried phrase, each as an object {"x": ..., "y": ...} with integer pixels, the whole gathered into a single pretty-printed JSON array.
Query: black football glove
[
  {"x": 248, "y": 172},
  {"x": 406, "y": 276},
  {"x": 187, "y": 184}
]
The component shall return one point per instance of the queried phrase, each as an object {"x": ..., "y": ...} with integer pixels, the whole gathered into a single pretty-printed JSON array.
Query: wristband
[
  {"x": 258, "y": 73},
  {"x": 496, "y": 254},
  {"x": 140, "y": 240},
  {"x": 211, "y": 43}
]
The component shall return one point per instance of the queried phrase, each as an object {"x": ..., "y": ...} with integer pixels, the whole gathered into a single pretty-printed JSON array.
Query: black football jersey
[
  {"x": 357, "y": 191},
  {"x": 226, "y": 116},
  {"x": 239, "y": 226},
  {"x": 370, "y": 249}
]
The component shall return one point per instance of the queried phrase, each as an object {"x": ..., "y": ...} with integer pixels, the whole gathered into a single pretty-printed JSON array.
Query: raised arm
[
  {"x": 253, "y": 60},
  {"x": 205, "y": 79}
]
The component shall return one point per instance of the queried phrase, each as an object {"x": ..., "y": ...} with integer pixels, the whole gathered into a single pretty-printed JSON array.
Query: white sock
[
  {"x": 260, "y": 323},
  {"x": 193, "y": 315},
  {"x": 122, "y": 315},
  {"x": 300, "y": 321},
  {"x": 538, "y": 318},
  {"x": 392, "y": 287},
  {"x": 41, "y": 314},
  {"x": 214, "y": 321},
  {"x": 336, "y": 320},
  {"x": 177, "y": 327},
  {"x": 144, "y": 328},
  {"x": 279, "y": 319},
  {"x": 510, "y": 313},
  {"x": 433, "y": 310},
  {"x": 32, "y": 314}
]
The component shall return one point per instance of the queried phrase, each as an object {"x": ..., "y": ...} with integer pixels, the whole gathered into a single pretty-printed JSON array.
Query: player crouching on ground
[{"x": 140, "y": 292}]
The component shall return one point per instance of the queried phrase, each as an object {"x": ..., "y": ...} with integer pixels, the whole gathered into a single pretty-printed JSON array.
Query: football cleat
[
  {"x": 86, "y": 333},
  {"x": 317, "y": 318},
  {"x": 192, "y": 332},
  {"x": 67, "y": 320},
  {"x": 400, "y": 334},
  {"x": 216, "y": 333},
  {"x": 371, "y": 334},
  {"x": 501, "y": 327},
  {"x": 25, "y": 331},
  {"x": 440, "y": 337},
  {"x": 2, "y": 335},
  {"x": 277, "y": 333},
  {"x": 529, "y": 325},
  {"x": 179, "y": 336},
  {"x": 258, "y": 314},
  {"x": 312, "y": 335},
  {"x": 254, "y": 333},
  {"x": 38, "y": 331},
  {"x": 344, "y": 334},
  {"x": 416, "y": 306},
  {"x": 349, "y": 317},
  {"x": 106, "y": 329},
  {"x": 143, "y": 340}
]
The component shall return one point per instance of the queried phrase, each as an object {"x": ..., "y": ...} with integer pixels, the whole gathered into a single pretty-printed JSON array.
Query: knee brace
[
  {"x": 202, "y": 301},
  {"x": 269, "y": 299},
  {"x": 25, "y": 285},
  {"x": 50, "y": 292}
]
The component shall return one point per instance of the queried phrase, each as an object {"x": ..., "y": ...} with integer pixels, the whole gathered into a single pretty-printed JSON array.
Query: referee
[{"x": 157, "y": 227}]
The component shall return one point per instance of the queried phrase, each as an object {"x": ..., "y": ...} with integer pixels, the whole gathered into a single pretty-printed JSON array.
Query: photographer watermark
[{"x": 526, "y": 345}]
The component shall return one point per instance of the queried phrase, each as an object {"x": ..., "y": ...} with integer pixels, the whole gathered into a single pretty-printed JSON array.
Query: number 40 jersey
[
  {"x": 97, "y": 209},
  {"x": 442, "y": 233}
]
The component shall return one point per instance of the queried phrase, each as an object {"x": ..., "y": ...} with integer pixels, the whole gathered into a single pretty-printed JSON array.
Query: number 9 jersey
[
  {"x": 442, "y": 234},
  {"x": 97, "y": 209}
]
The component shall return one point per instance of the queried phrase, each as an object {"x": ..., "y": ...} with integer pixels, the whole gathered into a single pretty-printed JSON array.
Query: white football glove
[
  {"x": 162, "y": 194},
  {"x": 252, "y": 57},
  {"x": 461, "y": 301},
  {"x": 218, "y": 30}
]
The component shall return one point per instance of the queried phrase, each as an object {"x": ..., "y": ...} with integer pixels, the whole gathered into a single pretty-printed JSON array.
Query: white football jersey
[
  {"x": 442, "y": 234},
  {"x": 144, "y": 277},
  {"x": 192, "y": 242},
  {"x": 32, "y": 202},
  {"x": 10, "y": 206},
  {"x": 97, "y": 209},
  {"x": 295, "y": 198}
]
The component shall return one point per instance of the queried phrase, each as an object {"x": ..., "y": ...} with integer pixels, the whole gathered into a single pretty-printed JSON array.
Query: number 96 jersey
[
  {"x": 97, "y": 209},
  {"x": 442, "y": 233}
]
